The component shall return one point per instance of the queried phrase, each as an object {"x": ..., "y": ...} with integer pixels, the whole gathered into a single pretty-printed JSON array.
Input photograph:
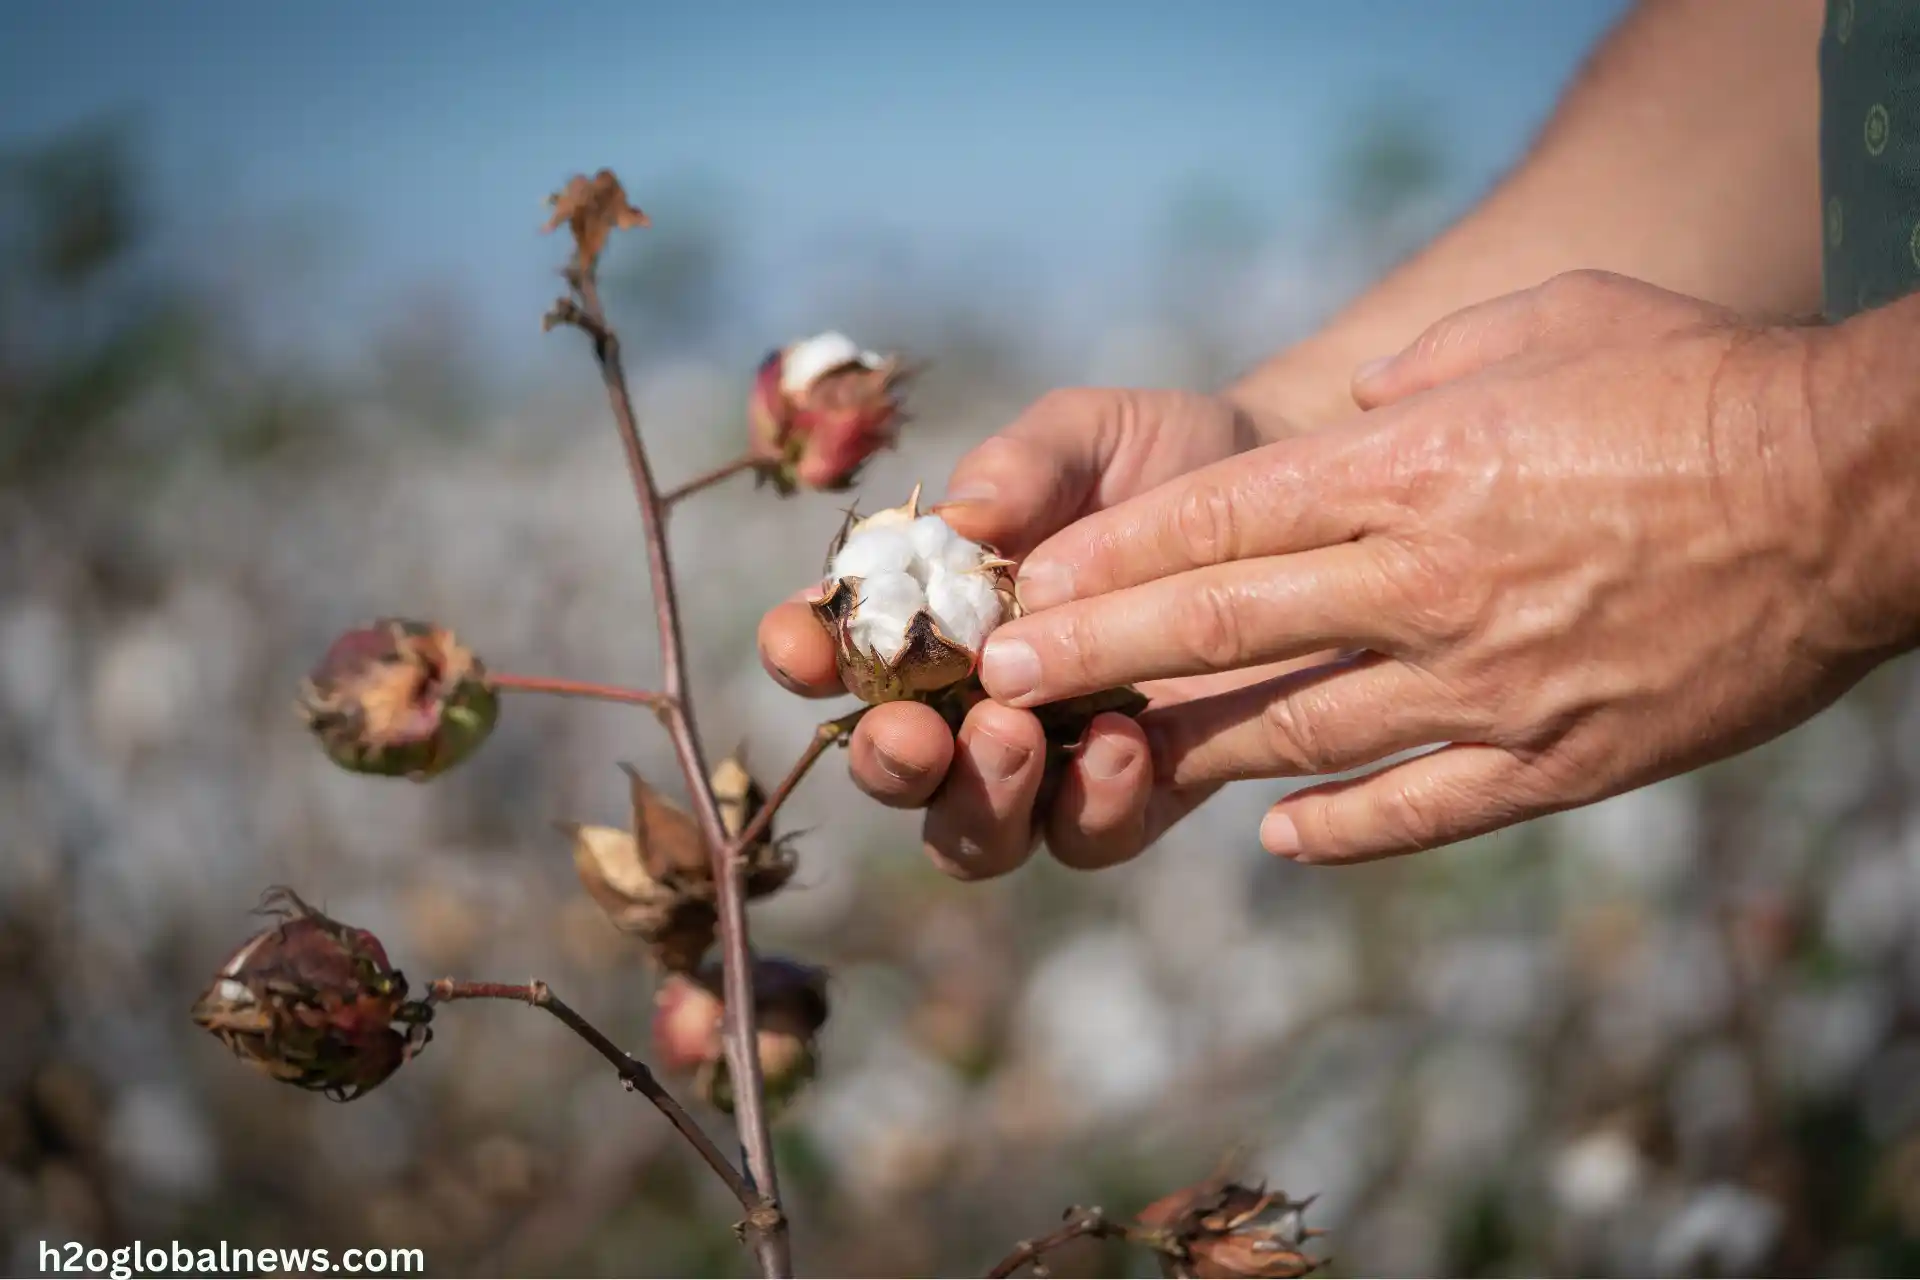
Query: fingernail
[
  {"x": 996, "y": 760},
  {"x": 896, "y": 768},
  {"x": 1370, "y": 370},
  {"x": 970, "y": 491},
  {"x": 1279, "y": 835},
  {"x": 1043, "y": 583},
  {"x": 1106, "y": 758},
  {"x": 1009, "y": 669}
]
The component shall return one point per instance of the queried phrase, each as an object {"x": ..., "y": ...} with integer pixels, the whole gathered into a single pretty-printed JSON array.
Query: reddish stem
[
  {"x": 826, "y": 735},
  {"x": 707, "y": 479},
  {"x": 633, "y": 1073},
  {"x": 743, "y": 1061},
  {"x": 577, "y": 689}
]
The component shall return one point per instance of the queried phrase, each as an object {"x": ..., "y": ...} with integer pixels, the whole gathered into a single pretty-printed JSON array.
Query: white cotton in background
[
  {"x": 888, "y": 602},
  {"x": 875, "y": 551},
  {"x": 964, "y": 605}
]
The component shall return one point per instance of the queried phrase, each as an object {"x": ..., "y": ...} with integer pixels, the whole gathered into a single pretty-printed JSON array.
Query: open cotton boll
[
  {"x": 937, "y": 543},
  {"x": 807, "y": 361},
  {"x": 965, "y": 605},
  {"x": 888, "y": 602},
  {"x": 875, "y": 551}
]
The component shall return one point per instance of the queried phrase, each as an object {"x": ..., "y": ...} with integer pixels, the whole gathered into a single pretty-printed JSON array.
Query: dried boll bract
[
  {"x": 910, "y": 603},
  {"x": 1222, "y": 1230},
  {"x": 399, "y": 698},
  {"x": 315, "y": 1003},
  {"x": 820, "y": 408},
  {"x": 656, "y": 881}
]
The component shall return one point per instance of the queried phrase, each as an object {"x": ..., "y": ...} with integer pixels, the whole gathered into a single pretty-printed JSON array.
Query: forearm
[
  {"x": 1685, "y": 154},
  {"x": 1860, "y": 392}
]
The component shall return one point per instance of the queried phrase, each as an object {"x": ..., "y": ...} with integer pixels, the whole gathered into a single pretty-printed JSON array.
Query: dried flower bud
[
  {"x": 593, "y": 209},
  {"x": 399, "y": 698},
  {"x": 315, "y": 1003},
  {"x": 790, "y": 1007},
  {"x": 1221, "y": 1229},
  {"x": 910, "y": 603},
  {"x": 820, "y": 408}
]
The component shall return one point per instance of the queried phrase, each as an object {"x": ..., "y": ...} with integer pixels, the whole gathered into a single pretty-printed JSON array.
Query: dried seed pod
[
  {"x": 315, "y": 1003},
  {"x": 399, "y": 698}
]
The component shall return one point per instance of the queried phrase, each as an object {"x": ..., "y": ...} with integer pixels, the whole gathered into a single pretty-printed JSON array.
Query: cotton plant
[{"x": 909, "y": 604}]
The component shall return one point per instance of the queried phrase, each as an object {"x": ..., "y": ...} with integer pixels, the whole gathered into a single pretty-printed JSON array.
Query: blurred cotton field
[{"x": 1676, "y": 1033}]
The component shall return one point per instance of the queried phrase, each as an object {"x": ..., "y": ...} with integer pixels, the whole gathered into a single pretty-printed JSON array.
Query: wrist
[
  {"x": 1860, "y": 394},
  {"x": 1303, "y": 388}
]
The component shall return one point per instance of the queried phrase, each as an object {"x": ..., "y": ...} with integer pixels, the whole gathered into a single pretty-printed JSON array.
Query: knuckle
[
  {"x": 1080, "y": 650},
  {"x": 1209, "y": 629},
  {"x": 1205, "y": 523},
  {"x": 1292, "y": 736}
]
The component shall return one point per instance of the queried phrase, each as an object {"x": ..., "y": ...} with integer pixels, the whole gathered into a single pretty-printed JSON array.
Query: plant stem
[
  {"x": 633, "y": 1073},
  {"x": 576, "y": 689},
  {"x": 743, "y": 1060},
  {"x": 1080, "y": 1222},
  {"x": 707, "y": 479},
  {"x": 829, "y": 733}
]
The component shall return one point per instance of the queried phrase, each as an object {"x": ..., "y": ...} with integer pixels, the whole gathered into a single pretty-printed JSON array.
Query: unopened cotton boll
[{"x": 966, "y": 606}]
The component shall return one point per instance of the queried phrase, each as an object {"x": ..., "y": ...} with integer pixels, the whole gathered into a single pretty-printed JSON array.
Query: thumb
[
  {"x": 1575, "y": 310},
  {"x": 1072, "y": 453}
]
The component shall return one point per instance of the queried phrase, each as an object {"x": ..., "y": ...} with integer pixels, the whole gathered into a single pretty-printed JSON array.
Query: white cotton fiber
[
  {"x": 805, "y": 362},
  {"x": 965, "y": 606},
  {"x": 875, "y": 551},
  {"x": 888, "y": 602},
  {"x": 936, "y": 543}
]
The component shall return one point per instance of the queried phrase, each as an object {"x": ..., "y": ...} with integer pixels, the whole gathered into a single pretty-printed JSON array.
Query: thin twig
[
  {"x": 707, "y": 479},
  {"x": 743, "y": 1061},
  {"x": 829, "y": 733},
  {"x": 577, "y": 689},
  {"x": 633, "y": 1072},
  {"x": 1081, "y": 1222}
]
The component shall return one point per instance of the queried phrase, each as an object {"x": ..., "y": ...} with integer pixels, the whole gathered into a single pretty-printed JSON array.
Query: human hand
[
  {"x": 1585, "y": 538},
  {"x": 1073, "y": 453}
]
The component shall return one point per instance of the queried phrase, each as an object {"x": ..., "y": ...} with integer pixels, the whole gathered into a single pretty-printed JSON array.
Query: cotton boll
[
  {"x": 888, "y": 602},
  {"x": 806, "y": 362},
  {"x": 874, "y": 552},
  {"x": 965, "y": 606},
  {"x": 937, "y": 544}
]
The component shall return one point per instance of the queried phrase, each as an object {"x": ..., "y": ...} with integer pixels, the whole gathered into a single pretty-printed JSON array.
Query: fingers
[
  {"x": 900, "y": 754},
  {"x": 1327, "y": 719},
  {"x": 1100, "y": 815},
  {"x": 1217, "y": 618},
  {"x": 1578, "y": 308},
  {"x": 796, "y": 651},
  {"x": 981, "y": 823},
  {"x": 1436, "y": 799},
  {"x": 1079, "y": 450},
  {"x": 1294, "y": 495}
]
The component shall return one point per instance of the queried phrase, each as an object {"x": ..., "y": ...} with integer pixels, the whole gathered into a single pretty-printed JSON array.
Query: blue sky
[{"x": 423, "y": 135}]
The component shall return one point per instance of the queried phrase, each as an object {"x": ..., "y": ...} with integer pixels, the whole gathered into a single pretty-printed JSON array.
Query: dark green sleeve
[{"x": 1870, "y": 152}]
